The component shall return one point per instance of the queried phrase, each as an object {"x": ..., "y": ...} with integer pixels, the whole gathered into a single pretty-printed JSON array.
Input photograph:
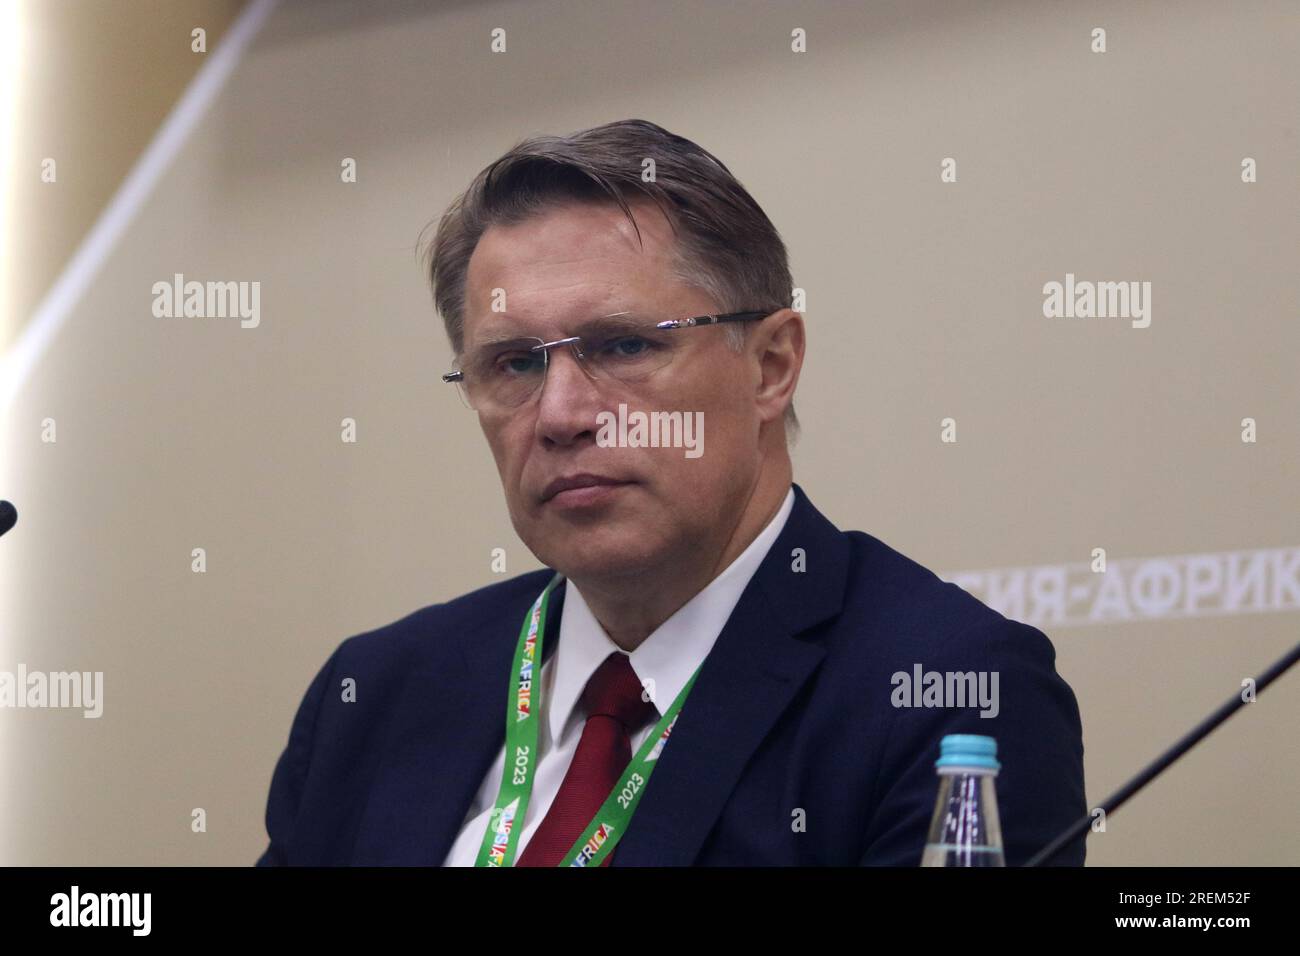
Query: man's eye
[
  {"x": 516, "y": 363},
  {"x": 628, "y": 346}
]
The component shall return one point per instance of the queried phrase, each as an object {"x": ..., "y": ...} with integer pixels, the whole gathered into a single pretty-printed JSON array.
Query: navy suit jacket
[{"x": 791, "y": 712}]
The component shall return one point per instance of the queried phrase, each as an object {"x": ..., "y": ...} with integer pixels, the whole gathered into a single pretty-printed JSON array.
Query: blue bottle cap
[{"x": 968, "y": 750}]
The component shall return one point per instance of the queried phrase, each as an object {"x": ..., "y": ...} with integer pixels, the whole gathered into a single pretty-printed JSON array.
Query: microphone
[
  {"x": 8, "y": 515},
  {"x": 1162, "y": 763}
]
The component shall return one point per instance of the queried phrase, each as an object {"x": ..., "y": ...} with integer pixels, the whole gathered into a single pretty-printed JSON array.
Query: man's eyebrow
[
  {"x": 627, "y": 319},
  {"x": 507, "y": 338},
  {"x": 619, "y": 319}
]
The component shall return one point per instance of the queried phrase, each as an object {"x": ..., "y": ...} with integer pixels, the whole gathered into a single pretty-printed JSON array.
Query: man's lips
[{"x": 584, "y": 480}]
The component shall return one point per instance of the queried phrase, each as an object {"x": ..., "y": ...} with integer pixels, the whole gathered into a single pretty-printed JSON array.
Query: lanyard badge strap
[
  {"x": 502, "y": 839},
  {"x": 523, "y": 711}
]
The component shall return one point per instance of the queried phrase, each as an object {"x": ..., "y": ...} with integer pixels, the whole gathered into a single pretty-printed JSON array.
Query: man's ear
[{"x": 779, "y": 345}]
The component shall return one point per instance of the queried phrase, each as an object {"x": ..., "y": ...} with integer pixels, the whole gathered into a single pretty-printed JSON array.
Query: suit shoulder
[
  {"x": 904, "y": 582},
  {"x": 918, "y": 606}
]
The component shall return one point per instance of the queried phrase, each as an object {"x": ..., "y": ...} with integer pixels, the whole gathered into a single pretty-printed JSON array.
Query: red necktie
[{"x": 615, "y": 710}]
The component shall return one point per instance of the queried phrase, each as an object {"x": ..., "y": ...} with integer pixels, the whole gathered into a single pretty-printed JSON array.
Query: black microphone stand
[{"x": 1158, "y": 766}]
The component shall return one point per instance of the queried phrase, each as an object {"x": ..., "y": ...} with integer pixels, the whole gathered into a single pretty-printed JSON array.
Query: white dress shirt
[{"x": 668, "y": 657}]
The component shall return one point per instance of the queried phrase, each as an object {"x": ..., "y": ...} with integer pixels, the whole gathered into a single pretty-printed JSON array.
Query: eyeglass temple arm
[{"x": 710, "y": 320}]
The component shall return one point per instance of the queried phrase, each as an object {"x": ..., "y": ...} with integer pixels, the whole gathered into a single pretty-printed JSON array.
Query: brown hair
[{"x": 726, "y": 245}]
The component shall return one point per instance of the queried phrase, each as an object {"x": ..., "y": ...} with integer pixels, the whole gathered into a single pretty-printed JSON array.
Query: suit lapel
[{"x": 756, "y": 666}]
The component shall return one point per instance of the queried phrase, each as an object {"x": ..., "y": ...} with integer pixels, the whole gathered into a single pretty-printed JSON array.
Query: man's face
[{"x": 558, "y": 270}]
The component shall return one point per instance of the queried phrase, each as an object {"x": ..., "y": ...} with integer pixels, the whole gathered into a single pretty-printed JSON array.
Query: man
[{"x": 720, "y": 666}]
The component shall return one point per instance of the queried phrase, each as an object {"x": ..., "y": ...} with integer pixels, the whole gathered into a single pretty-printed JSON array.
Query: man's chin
[{"x": 583, "y": 570}]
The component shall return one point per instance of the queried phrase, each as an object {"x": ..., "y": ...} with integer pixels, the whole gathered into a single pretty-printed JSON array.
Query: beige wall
[
  {"x": 924, "y": 302},
  {"x": 94, "y": 78}
]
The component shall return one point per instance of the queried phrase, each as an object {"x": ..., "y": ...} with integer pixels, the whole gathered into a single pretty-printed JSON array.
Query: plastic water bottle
[{"x": 964, "y": 830}]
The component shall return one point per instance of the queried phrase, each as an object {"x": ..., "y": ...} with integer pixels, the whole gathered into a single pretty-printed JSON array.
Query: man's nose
[{"x": 570, "y": 398}]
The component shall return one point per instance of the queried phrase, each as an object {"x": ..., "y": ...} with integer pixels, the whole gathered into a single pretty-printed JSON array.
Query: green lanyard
[{"x": 523, "y": 710}]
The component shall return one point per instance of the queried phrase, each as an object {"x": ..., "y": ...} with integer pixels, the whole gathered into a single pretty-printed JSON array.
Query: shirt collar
[{"x": 670, "y": 655}]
